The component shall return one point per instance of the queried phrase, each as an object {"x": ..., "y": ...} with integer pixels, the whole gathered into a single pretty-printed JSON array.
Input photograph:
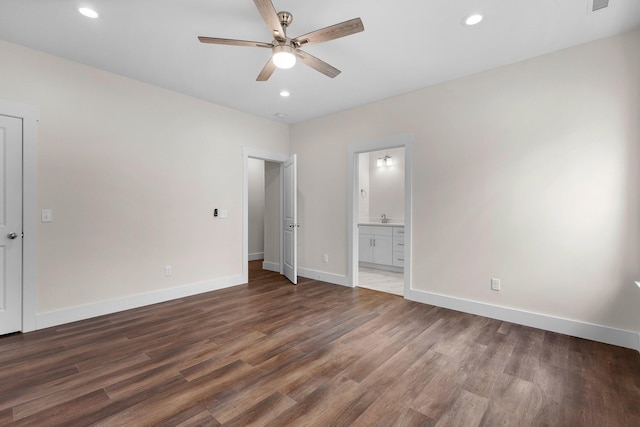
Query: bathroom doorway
[
  {"x": 380, "y": 212},
  {"x": 381, "y": 220}
]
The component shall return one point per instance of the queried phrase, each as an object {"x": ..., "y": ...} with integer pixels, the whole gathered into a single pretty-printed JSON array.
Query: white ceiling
[{"x": 406, "y": 45}]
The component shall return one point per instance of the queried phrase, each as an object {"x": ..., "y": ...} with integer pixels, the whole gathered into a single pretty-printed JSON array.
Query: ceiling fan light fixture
[
  {"x": 473, "y": 19},
  {"x": 89, "y": 13},
  {"x": 283, "y": 56}
]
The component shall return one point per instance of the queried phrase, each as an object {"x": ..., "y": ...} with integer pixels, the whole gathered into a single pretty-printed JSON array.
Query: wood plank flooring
[{"x": 269, "y": 353}]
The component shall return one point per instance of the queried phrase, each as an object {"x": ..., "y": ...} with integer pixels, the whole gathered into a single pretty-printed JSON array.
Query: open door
[
  {"x": 10, "y": 225},
  {"x": 290, "y": 220}
]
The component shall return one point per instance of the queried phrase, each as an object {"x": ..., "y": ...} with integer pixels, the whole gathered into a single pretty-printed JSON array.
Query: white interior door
[
  {"x": 10, "y": 224},
  {"x": 290, "y": 220}
]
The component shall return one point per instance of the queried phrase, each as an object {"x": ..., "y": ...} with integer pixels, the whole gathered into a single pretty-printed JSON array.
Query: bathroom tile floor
[{"x": 381, "y": 280}]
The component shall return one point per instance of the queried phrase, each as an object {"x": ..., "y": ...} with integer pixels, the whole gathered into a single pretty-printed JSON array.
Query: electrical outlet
[
  {"x": 495, "y": 284},
  {"x": 325, "y": 258},
  {"x": 47, "y": 215},
  {"x": 168, "y": 270}
]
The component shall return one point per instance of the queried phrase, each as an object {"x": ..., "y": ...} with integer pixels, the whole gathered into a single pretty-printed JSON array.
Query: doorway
[
  {"x": 280, "y": 213},
  {"x": 381, "y": 220},
  {"x": 380, "y": 241},
  {"x": 264, "y": 204}
]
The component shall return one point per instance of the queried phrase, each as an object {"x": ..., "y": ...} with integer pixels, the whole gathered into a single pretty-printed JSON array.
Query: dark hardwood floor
[{"x": 269, "y": 353}]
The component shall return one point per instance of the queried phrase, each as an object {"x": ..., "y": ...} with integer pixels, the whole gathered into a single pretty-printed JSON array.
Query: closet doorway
[{"x": 269, "y": 201}]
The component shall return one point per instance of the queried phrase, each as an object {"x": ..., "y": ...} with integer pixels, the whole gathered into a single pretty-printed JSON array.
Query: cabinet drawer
[
  {"x": 398, "y": 259},
  {"x": 377, "y": 231},
  {"x": 398, "y": 231},
  {"x": 398, "y": 243}
]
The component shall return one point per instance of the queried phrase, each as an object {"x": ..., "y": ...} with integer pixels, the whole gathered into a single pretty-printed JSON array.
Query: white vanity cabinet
[
  {"x": 381, "y": 245},
  {"x": 376, "y": 244}
]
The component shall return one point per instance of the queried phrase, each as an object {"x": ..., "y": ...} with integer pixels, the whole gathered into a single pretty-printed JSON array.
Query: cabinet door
[
  {"x": 365, "y": 248},
  {"x": 383, "y": 250}
]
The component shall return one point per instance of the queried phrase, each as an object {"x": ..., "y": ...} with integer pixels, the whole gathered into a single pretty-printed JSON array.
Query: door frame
[
  {"x": 29, "y": 116},
  {"x": 267, "y": 156},
  {"x": 398, "y": 141}
]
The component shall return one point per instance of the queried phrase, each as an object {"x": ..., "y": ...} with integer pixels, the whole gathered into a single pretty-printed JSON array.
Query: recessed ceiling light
[
  {"x": 89, "y": 13},
  {"x": 473, "y": 19},
  {"x": 280, "y": 115},
  {"x": 284, "y": 93}
]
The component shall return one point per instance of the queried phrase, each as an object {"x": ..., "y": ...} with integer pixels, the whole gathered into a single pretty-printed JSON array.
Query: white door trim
[
  {"x": 30, "y": 116},
  {"x": 248, "y": 152},
  {"x": 397, "y": 141}
]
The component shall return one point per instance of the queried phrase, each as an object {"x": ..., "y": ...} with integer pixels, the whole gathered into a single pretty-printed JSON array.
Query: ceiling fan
[{"x": 285, "y": 50}]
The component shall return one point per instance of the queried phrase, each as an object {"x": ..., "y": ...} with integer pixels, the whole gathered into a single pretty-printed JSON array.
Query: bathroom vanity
[{"x": 381, "y": 246}]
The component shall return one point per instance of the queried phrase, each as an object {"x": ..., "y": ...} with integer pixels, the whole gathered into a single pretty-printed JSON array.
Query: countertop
[{"x": 388, "y": 224}]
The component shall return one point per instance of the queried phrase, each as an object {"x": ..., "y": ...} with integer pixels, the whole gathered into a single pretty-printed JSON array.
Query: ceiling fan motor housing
[{"x": 286, "y": 18}]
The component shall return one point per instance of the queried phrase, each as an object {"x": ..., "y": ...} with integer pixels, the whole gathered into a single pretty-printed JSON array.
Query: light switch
[
  {"x": 223, "y": 213},
  {"x": 47, "y": 215}
]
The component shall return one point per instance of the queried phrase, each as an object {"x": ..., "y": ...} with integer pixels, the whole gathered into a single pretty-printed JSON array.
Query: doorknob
[{"x": 12, "y": 235}]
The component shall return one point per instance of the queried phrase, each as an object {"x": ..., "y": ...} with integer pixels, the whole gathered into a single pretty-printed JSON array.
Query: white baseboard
[
  {"x": 619, "y": 337},
  {"x": 74, "y": 314},
  {"x": 256, "y": 256},
  {"x": 604, "y": 334},
  {"x": 335, "y": 279},
  {"x": 271, "y": 266}
]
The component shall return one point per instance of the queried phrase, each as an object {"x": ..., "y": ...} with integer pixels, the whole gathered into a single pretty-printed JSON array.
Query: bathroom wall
[{"x": 386, "y": 186}]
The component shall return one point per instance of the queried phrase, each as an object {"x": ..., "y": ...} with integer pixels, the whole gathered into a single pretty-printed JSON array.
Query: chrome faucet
[{"x": 384, "y": 218}]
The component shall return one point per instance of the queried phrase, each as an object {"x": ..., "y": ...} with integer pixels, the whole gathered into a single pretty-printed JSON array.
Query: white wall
[
  {"x": 132, "y": 173},
  {"x": 528, "y": 173},
  {"x": 386, "y": 186},
  {"x": 256, "y": 208}
]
